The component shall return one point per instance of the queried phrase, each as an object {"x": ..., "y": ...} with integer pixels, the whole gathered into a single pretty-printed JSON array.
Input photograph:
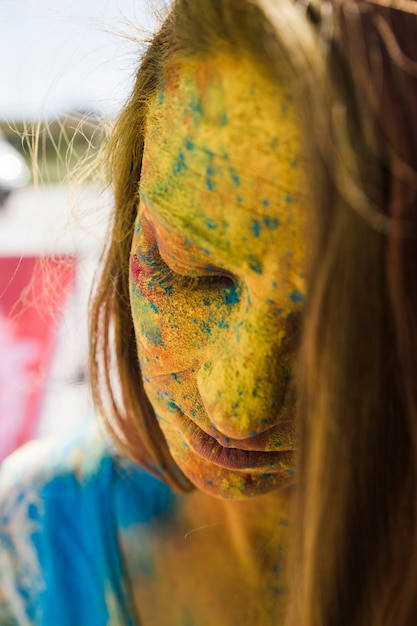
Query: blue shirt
[{"x": 63, "y": 508}]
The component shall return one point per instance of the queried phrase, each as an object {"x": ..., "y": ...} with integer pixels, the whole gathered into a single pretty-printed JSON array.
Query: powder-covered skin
[{"x": 217, "y": 272}]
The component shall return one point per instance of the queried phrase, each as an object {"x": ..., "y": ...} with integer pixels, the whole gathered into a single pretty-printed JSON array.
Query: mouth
[{"x": 207, "y": 448}]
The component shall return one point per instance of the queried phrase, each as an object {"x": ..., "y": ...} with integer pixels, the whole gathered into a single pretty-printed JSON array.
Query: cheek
[
  {"x": 173, "y": 325},
  {"x": 174, "y": 330}
]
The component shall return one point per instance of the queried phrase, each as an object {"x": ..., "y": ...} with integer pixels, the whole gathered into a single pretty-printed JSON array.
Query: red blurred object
[{"x": 32, "y": 296}]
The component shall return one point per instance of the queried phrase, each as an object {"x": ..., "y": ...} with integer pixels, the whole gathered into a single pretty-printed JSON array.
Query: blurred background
[{"x": 66, "y": 68}]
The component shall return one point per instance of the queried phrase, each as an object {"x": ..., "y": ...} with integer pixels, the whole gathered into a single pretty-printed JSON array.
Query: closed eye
[{"x": 191, "y": 278}]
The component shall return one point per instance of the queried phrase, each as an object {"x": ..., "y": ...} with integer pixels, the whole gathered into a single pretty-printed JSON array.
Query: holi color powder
[{"x": 214, "y": 276}]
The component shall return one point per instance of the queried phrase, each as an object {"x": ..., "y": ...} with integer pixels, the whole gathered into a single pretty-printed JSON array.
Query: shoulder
[
  {"x": 62, "y": 503},
  {"x": 52, "y": 480},
  {"x": 37, "y": 462},
  {"x": 47, "y": 480},
  {"x": 40, "y": 486}
]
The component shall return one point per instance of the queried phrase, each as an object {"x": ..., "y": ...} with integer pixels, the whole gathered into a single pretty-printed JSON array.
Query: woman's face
[{"x": 217, "y": 273}]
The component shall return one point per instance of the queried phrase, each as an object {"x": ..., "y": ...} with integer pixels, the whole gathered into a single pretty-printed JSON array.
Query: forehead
[{"x": 222, "y": 147}]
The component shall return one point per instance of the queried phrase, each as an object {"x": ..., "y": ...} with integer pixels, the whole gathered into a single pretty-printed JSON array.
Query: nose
[{"x": 243, "y": 381}]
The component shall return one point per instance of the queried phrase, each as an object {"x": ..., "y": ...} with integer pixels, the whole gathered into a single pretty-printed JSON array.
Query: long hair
[{"x": 355, "y": 522}]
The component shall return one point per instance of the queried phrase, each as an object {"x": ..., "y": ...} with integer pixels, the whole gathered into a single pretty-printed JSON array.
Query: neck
[{"x": 257, "y": 527}]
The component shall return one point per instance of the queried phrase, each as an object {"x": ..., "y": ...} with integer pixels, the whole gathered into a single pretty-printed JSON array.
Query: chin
[{"x": 231, "y": 484}]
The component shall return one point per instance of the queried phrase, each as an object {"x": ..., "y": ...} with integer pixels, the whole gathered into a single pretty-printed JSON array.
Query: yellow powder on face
[
  {"x": 235, "y": 149},
  {"x": 218, "y": 258}
]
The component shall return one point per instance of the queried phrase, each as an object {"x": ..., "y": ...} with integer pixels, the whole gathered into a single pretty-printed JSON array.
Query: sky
[{"x": 61, "y": 54}]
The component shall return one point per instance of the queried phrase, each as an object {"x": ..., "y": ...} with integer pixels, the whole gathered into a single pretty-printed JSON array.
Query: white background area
[{"x": 60, "y": 53}]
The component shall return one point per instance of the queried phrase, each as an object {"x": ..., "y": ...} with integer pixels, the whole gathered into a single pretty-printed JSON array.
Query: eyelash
[{"x": 166, "y": 277}]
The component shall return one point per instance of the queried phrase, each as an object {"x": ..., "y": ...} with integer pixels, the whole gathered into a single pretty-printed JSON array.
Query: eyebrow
[{"x": 197, "y": 237}]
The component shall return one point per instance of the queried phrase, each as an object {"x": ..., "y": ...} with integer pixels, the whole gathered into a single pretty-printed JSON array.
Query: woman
[
  {"x": 203, "y": 281},
  {"x": 203, "y": 285}
]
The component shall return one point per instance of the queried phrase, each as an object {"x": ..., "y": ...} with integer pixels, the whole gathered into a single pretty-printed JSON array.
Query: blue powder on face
[
  {"x": 206, "y": 328},
  {"x": 162, "y": 419},
  {"x": 180, "y": 164},
  {"x": 272, "y": 223},
  {"x": 211, "y": 224},
  {"x": 255, "y": 265},
  {"x": 153, "y": 335},
  {"x": 296, "y": 296},
  {"x": 235, "y": 176},
  {"x": 232, "y": 296},
  {"x": 255, "y": 227},
  {"x": 195, "y": 105}
]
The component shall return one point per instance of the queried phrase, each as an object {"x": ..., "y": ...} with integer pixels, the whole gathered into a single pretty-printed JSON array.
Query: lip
[
  {"x": 233, "y": 458},
  {"x": 265, "y": 441}
]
